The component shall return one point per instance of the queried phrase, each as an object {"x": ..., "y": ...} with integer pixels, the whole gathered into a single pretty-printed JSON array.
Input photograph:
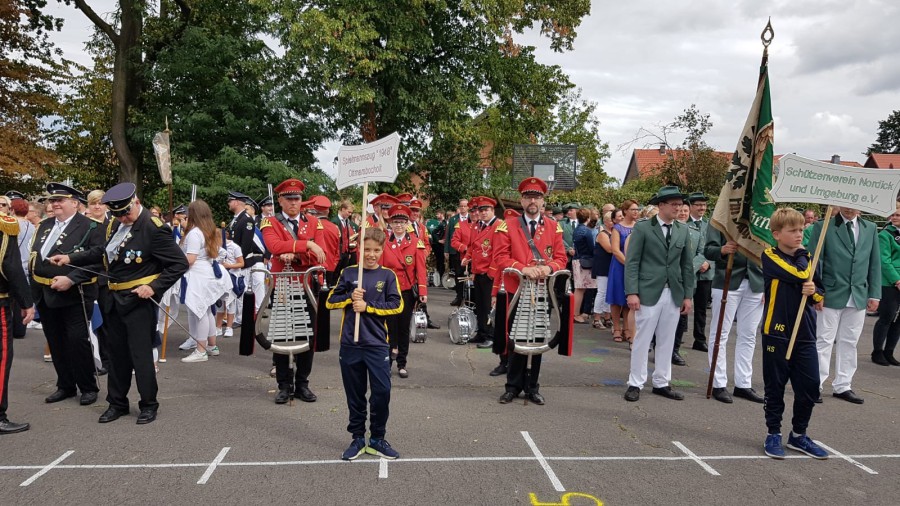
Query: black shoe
[
  {"x": 506, "y": 398},
  {"x": 146, "y": 416},
  {"x": 632, "y": 394},
  {"x": 818, "y": 399},
  {"x": 59, "y": 395},
  {"x": 499, "y": 370},
  {"x": 433, "y": 325},
  {"x": 878, "y": 358},
  {"x": 536, "y": 398},
  {"x": 722, "y": 395},
  {"x": 749, "y": 394},
  {"x": 477, "y": 340},
  {"x": 456, "y": 302},
  {"x": 889, "y": 356},
  {"x": 7, "y": 427},
  {"x": 282, "y": 397},
  {"x": 112, "y": 414},
  {"x": 88, "y": 398},
  {"x": 849, "y": 396},
  {"x": 700, "y": 346},
  {"x": 668, "y": 393},
  {"x": 102, "y": 371},
  {"x": 485, "y": 345},
  {"x": 305, "y": 394},
  {"x": 677, "y": 359}
]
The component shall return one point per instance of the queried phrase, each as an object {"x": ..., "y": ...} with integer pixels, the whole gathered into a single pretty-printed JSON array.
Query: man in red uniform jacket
[
  {"x": 480, "y": 256},
  {"x": 293, "y": 239},
  {"x": 318, "y": 208},
  {"x": 381, "y": 204},
  {"x": 512, "y": 249}
]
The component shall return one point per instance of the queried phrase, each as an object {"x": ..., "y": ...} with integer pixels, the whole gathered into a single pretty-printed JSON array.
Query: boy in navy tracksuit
[
  {"x": 786, "y": 273},
  {"x": 369, "y": 357}
]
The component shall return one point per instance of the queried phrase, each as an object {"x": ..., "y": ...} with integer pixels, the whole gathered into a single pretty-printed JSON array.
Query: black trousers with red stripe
[{"x": 6, "y": 356}]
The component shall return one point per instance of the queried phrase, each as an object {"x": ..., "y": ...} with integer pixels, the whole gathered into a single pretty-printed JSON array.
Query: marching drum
[
  {"x": 462, "y": 324},
  {"x": 418, "y": 326}
]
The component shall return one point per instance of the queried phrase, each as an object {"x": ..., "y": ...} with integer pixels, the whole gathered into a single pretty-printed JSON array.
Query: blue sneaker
[
  {"x": 773, "y": 446},
  {"x": 805, "y": 445},
  {"x": 381, "y": 448},
  {"x": 357, "y": 447}
]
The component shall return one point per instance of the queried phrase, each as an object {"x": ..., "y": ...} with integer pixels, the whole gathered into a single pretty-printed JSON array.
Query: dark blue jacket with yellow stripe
[
  {"x": 382, "y": 298},
  {"x": 784, "y": 277}
]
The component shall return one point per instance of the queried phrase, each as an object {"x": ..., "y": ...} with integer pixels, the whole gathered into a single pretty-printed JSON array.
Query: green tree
[
  {"x": 406, "y": 66},
  {"x": 888, "y": 140},
  {"x": 29, "y": 74},
  {"x": 575, "y": 122}
]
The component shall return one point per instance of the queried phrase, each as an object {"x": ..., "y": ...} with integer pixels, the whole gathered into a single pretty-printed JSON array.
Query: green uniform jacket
[
  {"x": 568, "y": 229},
  {"x": 889, "y": 248},
  {"x": 848, "y": 270},
  {"x": 698, "y": 233},
  {"x": 741, "y": 268},
  {"x": 650, "y": 265}
]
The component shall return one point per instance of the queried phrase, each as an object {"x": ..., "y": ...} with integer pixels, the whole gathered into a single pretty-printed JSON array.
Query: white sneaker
[
  {"x": 34, "y": 325},
  {"x": 48, "y": 358},
  {"x": 196, "y": 356},
  {"x": 229, "y": 332},
  {"x": 190, "y": 344},
  {"x": 213, "y": 351},
  {"x": 218, "y": 331}
]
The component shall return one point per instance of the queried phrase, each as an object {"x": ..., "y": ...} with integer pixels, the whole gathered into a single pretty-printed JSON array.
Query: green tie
[{"x": 850, "y": 233}]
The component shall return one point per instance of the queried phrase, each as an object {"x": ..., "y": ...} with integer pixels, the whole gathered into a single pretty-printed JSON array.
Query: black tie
[
  {"x": 667, "y": 232},
  {"x": 850, "y": 233},
  {"x": 533, "y": 227},
  {"x": 293, "y": 225}
]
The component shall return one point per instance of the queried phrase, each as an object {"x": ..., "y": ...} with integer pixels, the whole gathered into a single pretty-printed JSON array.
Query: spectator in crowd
[
  {"x": 615, "y": 291},
  {"x": 600, "y": 269},
  {"x": 582, "y": 261}
]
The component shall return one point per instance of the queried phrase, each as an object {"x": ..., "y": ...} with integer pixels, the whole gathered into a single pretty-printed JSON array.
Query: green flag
[{"x": 744, "y": 207}]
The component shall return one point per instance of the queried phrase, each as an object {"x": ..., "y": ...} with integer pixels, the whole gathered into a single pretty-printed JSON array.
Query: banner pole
[
  {"x": 812, "y": 272},
  {"x": 361, "y": 241},
  {"x": 719, "y": 324}
]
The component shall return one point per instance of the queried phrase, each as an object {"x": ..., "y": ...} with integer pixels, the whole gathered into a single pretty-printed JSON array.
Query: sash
[{"x": 528, "y": 237}]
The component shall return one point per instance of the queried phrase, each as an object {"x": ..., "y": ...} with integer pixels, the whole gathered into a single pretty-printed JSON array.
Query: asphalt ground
[{"x": 221, "y": 439}]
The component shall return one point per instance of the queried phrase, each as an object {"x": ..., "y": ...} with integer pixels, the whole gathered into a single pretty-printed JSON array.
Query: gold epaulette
[
  {"x": 421, "y": 244},
  {"x": 156, "y": 221},
  {"x": 9, "y": 225},
  {"x": 502, "y": 227},
  {"x": 264, "y": 223}
]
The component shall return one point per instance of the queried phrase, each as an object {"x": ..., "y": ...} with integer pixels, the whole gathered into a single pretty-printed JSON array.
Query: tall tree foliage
[
  {"x": 407, "y": 66},
  {"x": 29, "y": 72},
  {"x": 888, "y": 140}
]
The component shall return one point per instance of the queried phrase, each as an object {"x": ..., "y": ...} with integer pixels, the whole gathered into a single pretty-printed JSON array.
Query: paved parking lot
[{"x": 220, "y": 438}]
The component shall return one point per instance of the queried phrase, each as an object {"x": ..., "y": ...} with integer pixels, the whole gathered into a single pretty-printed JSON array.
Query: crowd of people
[{"x": 636, "y": 272}]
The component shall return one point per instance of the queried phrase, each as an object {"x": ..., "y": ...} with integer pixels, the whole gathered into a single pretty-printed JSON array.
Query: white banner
[
  {"x": 375, "y": 161},
  {"x": 871, "y": 191},
  {"x": 163, "y": 159}
]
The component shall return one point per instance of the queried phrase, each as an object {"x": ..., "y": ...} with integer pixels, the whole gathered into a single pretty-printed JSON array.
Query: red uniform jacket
[
  {"x": 481, "y": 248},
  {"x": 511, "y": 249},
  {"x": 418, "y": 230},
  {"x": 331, "y": 243},
  {"x": 461, "y": 236},
  {"x": 406, "y": 258},
  {"x": 279, "y": 240}
]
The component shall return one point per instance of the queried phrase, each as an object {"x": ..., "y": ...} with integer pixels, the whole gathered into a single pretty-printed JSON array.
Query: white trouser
[
  {"x": 600, "y": 305},
  {"x": 258, "y": 287},
  {"x": 838, "y": 328},
  {"x": 662, "y": 320},
  {"x": 748, "y": 308}
]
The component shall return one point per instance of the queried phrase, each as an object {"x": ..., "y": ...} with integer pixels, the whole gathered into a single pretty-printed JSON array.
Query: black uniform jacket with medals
[
  {"x": 146, "y": 255},
  {"x": 81, "y": 234}
]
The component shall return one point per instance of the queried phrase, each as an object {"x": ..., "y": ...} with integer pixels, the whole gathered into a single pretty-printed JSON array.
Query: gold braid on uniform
[{"x": 9, "y": 225}]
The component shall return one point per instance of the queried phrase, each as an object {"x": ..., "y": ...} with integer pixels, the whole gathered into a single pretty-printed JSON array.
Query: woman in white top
[{"x": 207, "y": 281}]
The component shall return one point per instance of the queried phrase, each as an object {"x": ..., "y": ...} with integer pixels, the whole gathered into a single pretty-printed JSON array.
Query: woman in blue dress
[{"x": 615, "y": 290}]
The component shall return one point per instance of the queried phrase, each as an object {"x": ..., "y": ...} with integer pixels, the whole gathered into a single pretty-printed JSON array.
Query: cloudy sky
[{"x": 834, "y": 68}]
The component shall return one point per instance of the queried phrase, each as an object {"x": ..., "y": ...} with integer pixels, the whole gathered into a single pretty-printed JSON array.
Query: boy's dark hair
[{"x": 375, "y": 234}]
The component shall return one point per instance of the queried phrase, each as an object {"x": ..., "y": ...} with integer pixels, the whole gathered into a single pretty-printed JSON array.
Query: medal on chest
[{"x": 486, "y": 248}]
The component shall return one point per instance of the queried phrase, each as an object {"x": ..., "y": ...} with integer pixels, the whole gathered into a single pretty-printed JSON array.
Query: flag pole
[
  {"x": 812, "y": 272},
  {"x": 361, "y": 241},
  {"x": 719, "y": 324}
]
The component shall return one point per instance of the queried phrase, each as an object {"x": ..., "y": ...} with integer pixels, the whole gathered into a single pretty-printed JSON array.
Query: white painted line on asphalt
[
  {"x": 212, "y": 466},
  {"x": 693, "y": 456},
  {"x": 847, "y": 458},
  {"x": 382, "y": 468},
  {"x": 543, "y": 462},
  {"x": 46, "y": 469}
]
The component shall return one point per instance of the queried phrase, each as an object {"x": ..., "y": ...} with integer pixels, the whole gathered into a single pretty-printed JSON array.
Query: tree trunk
[
  {"x": 125, "y": 89},
  {"x": 369, "y": 128}
]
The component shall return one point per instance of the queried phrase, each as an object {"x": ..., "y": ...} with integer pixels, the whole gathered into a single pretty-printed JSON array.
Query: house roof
[
  {"x": 648, "y": 161},
  {"x": 883, "y": 161},
  {"x": 845, "y": 163}
]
